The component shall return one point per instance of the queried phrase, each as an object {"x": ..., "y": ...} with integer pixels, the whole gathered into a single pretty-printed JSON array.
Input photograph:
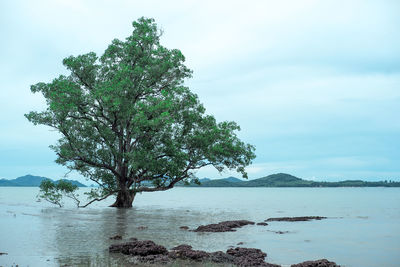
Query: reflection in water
[{"x": 82, "y": 237}]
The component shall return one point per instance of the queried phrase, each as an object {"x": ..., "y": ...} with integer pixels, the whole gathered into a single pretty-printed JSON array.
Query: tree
[{"x": 128, "y": 122}]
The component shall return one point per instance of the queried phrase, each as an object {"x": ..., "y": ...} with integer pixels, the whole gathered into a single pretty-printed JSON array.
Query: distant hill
[
  {"x": 278, "y": 180},
  {"x": 31, "y": 180},
  {"x": 232, "y": 179},
  {"x": 287, "y": 180},
  {"x": 27, "y": 180}
]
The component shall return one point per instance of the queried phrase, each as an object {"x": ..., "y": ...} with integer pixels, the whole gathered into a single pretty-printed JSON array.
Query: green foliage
[
  {"x": 128, "y": 122},
  {"x": 54, "y": 191}
]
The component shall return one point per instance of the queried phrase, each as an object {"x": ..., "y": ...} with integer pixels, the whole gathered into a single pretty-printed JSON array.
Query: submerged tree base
[
  {"x": 115, "y": 205},
  {"x": 124, "y": 200}
]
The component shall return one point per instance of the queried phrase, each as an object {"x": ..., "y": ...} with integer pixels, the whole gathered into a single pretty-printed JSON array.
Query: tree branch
[{"x": 97, "y": 199}]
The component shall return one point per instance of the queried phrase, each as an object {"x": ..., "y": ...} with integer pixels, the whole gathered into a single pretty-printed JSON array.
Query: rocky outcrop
[
  {"x": 317, "y": 263},
  {"x": 226, "y": 226},
  {"x": 236, "y": 256},
  {"x": 249, "y": 257},
  {"x": 116, "y": 237},
  {"x": 262, "y": 223},
  {"x": 186, "y": 252},
  {"x": 295, "y": 219},
  {"x": 139, "y": 248},
  {"x": 147, "y": 251}
]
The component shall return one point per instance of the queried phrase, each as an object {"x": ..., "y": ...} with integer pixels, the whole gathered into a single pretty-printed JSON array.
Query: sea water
[{"x": 362, "y": 229}]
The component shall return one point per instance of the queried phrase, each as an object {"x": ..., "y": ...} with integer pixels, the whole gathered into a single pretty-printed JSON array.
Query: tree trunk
[{"x": 124, "y": 199}]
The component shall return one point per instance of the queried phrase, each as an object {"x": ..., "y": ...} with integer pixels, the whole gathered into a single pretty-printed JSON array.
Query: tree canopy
[{"x": 130, "y": 124}]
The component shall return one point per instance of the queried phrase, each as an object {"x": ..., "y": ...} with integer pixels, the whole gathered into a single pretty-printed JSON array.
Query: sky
[{"x": 314, "y": 85}]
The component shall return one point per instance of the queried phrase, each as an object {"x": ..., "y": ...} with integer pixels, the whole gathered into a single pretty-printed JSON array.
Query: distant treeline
[
  {"x": 274, "y": 180},
  {"x": 287, "y": 180}
]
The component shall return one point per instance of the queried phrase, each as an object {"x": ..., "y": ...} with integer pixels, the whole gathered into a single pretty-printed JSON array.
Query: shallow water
[{"x": 363, "y": 228}]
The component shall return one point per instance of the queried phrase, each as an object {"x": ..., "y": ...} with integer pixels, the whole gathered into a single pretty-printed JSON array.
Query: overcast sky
[{"x": 314, "y": 85}]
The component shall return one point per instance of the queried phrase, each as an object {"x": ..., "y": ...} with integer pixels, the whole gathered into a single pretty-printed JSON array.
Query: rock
[
  {"x": 187, "y": 253},
  {"x": 184, "y": 228},
  {"x": 182, "y": 247},
  {"x": 271, "y": 265},
  {"x": 317, "y": 263},
  {"x": 240, "y": 243},
  {"x": 237, "y": 256},
  {"x": 248, "y": 256},
  {"x": 216, "y": 227},
  {"x": 196, "y": 255},
  {"x": 295, "y": 219},
  {"x": 139, "y": 248},
  {"x": 279, "y": 232},
  {"x": 246, "y": 252},
  {"x": 116, "y": 237},
  {"x": 142, "y": 227},
  {"x": 148, "y": 252},
  {"x": 154, "y": 259},
  {"x": 237, "y": 223},
  {"x": 262, "y": 223},
  {"x": 221, "y": 257},
  {"x": 3, "y": 253},
  {"x": 226, "y": 226}
]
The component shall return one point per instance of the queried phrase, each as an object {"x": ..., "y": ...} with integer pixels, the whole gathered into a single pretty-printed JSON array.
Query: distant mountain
[
  {"x": 31, "y": 180},
  {"x": 287, "y": 180},
  {"x": 27, "y": 180},
  {"x": 232, "y": 179},
  {"x": 278, "y": 180}
]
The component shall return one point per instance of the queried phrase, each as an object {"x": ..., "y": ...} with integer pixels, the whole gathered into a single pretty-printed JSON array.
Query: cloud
[
  {"x": 304, "y": 79},
  {"x": 311, "y": 103}
]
